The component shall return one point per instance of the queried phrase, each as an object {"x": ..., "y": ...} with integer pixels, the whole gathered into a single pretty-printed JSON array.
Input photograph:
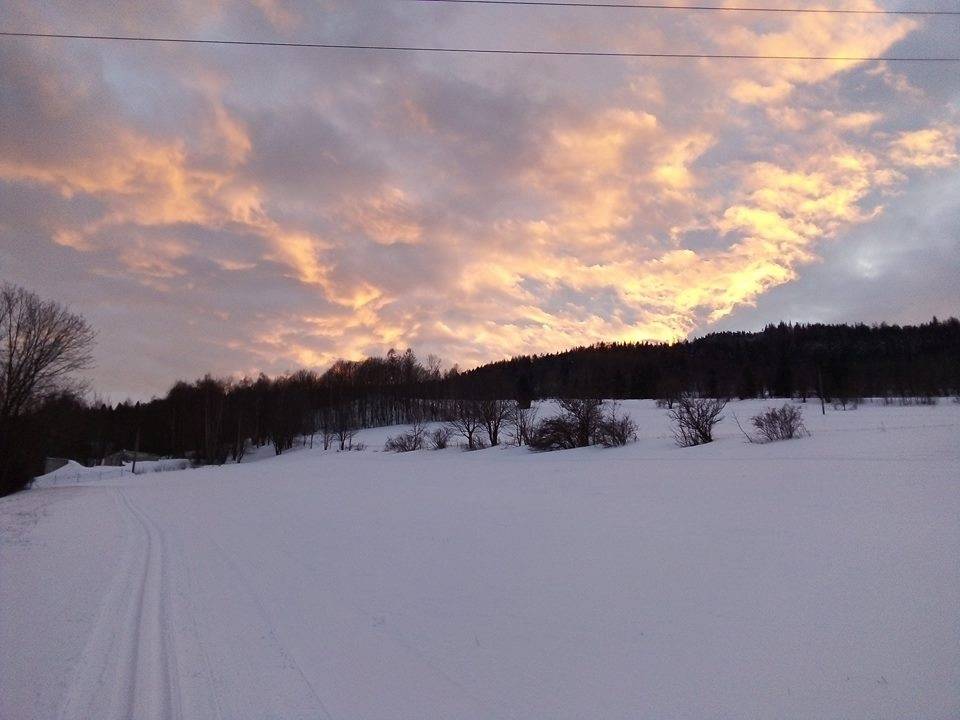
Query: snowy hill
[{"x": 814, "y": 578}]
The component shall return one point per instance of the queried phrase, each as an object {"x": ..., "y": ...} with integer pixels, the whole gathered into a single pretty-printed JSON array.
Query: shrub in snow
[
  {"x": 845, "y": 403},
  {"x": 405, "y": 442},
  {"x": 478, "y": 444},
  {"x": 671, "y": 395},
  {"x": 784, "y": 423},
  {"x": 556, "y": 433},
  {"x": 615, "y": 430},
  {"x": 582, "y": 423},
  {"x": 909, "y": 400},
  {"x": 440, "y": 438},
  {"x": 694, "y": 419},
  {"x": 574, "y": 427},
  {"x": 408, "y": 441}
]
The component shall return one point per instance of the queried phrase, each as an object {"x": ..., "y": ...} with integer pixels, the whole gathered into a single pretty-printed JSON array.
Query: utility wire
[
  {"x": 474, "y": 51},
  {"x": 651, "y": 6}
]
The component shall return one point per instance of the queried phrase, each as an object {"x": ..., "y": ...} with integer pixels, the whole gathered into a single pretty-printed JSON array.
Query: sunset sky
[{"x": 232, "y": 209}]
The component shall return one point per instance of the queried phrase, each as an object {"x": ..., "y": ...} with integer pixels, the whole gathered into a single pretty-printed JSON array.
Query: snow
[
  {"x": 814, "y": 578},
  {"x": 73, "y": 473}
]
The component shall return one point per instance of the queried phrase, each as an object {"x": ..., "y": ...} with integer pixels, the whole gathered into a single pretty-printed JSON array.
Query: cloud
[
  {"x": 231, "y": 209},
  {"x": 802, "y": 35},
  {"x": 934, "y": 147}
]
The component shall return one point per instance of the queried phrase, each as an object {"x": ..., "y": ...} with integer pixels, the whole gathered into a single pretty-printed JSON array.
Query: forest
[{"x": 211, "y": 420}]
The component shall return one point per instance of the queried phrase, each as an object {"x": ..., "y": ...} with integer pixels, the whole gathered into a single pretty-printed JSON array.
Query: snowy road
[{"x": 811, "y": 579}]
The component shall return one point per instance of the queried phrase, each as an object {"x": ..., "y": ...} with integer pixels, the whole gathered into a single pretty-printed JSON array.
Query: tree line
[
  {"x": 44, "y": 413},
  {"x": 784, "y": 360}
]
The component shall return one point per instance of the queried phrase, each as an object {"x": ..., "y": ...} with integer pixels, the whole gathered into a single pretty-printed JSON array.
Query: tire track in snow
[{"x": 128, "y": 666}]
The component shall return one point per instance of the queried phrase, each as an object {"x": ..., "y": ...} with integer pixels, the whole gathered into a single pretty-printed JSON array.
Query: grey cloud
[{"x": 907, "y": 273}]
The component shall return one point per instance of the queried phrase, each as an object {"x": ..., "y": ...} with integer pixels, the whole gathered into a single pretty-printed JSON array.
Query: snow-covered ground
[{"x": 816, "y": 578}]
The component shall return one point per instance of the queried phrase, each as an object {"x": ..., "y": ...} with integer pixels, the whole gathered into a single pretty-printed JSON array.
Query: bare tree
[
  {"x": 493, "y": 414},
  {"x": 465, "y": 421},
  {"x": 523, "y": 420},
  {"x": 345, "y": 425},
  {"x": 213, "y": 395},
  {"x": 345, "y": 436},
  {"x": 418, "y": 430},
  {"x": 326, "y": 422},
  {"x": 694, "y": 419},
  {"x": 433, "y": 367},
  {"x": 42, "y": 344},
  {"x": 585, "y": 416}
]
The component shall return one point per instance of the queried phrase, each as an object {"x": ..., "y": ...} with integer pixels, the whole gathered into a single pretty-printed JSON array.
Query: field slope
[{"x": 816, "y": 578}]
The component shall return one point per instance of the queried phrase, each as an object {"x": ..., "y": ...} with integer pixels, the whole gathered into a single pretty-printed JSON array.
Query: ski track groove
[
  {"x": 160, "y": 622},
  {"x": 128, "y": 665}
]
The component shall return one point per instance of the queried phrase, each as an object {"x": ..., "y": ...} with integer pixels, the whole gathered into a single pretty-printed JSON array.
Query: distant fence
[{"x": 73, "y": 474}]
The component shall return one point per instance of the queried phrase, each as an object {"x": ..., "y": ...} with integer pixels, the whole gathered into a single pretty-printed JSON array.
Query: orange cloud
[
  {"x": 803, "y": 34},
  {"x": 386, "y": 218},
  {"x": 773, "y": 228},
  {"x": 934, "y": 147}
]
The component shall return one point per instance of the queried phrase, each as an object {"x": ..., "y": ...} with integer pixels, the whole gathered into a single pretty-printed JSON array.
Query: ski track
[{"x": 128, "y": 667}]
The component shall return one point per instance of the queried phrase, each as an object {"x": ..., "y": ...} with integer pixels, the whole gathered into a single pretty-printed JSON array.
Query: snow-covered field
[{"x": 816, "y": 578}]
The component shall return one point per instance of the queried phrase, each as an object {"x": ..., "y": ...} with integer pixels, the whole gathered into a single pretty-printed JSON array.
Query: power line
[
  {"x": 651, "y": 6},
  {"x": 474, "y": 51}
]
